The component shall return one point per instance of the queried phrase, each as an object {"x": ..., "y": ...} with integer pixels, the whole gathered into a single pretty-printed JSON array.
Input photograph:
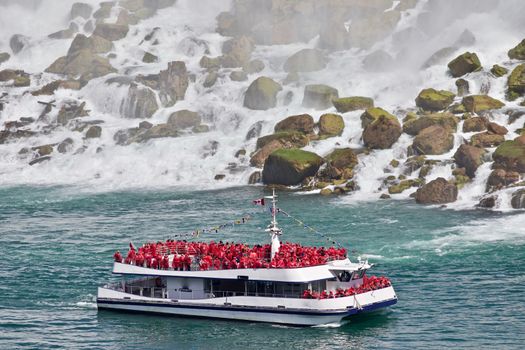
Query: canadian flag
[{"x": 259, "y": 201}]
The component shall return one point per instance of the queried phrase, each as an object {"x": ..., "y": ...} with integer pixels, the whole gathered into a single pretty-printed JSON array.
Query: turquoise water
[{"x": 459, "y": 275}]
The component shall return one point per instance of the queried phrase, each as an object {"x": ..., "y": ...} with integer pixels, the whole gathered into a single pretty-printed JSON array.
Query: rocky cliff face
[{"x": 368, "y": 98}]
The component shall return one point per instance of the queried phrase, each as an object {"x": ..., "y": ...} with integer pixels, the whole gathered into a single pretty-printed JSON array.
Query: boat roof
[{"x": 292, "y": 275}]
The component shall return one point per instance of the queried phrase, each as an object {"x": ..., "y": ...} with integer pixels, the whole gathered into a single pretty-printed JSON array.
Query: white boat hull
[{"x": 257, "y": 309}]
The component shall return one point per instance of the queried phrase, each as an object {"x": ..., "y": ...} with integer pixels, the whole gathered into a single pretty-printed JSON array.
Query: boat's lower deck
[{"x": 295, "y": 311}]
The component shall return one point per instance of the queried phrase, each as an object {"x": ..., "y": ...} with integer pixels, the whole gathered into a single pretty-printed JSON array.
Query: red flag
[{"x": 259, "y": 201}]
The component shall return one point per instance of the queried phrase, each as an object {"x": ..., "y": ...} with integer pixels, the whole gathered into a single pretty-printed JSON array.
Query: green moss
[
  {"x": 516, "y": 82},
  {"x": 434, "y": 100},
  {"x": 22, "y": 81},
  {"x": 498, "y": 71},
  {"x": 479, "y": 103},
  {"x": 510, "y": 150},
  {"x": 348, "y": 104},
  {"x": 404, "y": 185},
  {"x": 297, "y": 156},
  {"x": 518, "y": 52},
  {"x": 331, "y": 125},
  {"x": 342, "y": 158},
  {"x": 298, "y": 139},
  {"x": 464, "y": 63},
  {"x": 371, "y": 114}
]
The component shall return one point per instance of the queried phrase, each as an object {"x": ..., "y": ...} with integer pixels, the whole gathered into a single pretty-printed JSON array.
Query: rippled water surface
[{"x": 459, "y": 275}]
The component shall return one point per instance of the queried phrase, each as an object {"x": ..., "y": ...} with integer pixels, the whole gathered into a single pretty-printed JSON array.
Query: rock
[
  {"x": 237, "y": 52},
  {"x": 11, "y": 74},
  {"x": 39, "y": 160},
  {"x": 104, "y": 11},
  {"x": 325, "y": 192},
  {"x": 240, "y": 153},
  {"x": 290, "y": 166},
  {"x": 354, "y": 103},
  {"x": 238, "y": 76},
  {"x": 292, "y": 139},
  {"x": 319, "y": 96},
  {"x": 306, "y": 60},
  {"x": 371, "y": 114},
  {"x": 382, "y": 133},
  {"x": 439, "y": 57},
  {"x": 65, "y": 146},
  {"x": 22, "y": 81},
  {"x": 200, "y": 128},
  {"x": 516, "y": 82},
  {"x": 487, "y": 202},
  {"x": 303, "y": 123},
  {"x": 255, "y": 178},
  {"x": 141, "y": 102},
  {"x": 184, "y": 119},
  {"x": 12, "y": 135},
  {"x": 470, "y": 158},
  {"x": 496, "y": 129},
  {"x": 331, "y": 125},
  {"x": 292, "y": 78},
  {"x": 136, "y": 135},
  {"x": 226, "y": 24},
  {"x": 434, "y": 100},
  {"x": 254, "y": 130},
  {"x": 486, "y": 139},
  {"x": 463, "y": 87},
  {"x": 447, "y": 120},
  {"x": 254, "y": 66},
  {"x": 258, "y": 159},
  {"x": 518, "y": 52},
  {"x": 340, "y": 164},
  {"x": 437, "y": 191},
  {"x": 93, "y": 132},
  {"x": 378, "y": 61},
  {"x": 171, "y": 83},
  {"x": 500, "y": 178},
  {"x": 219, "y": 177},
  {"x": 149, "y": 58},
  {"x": 83, "y": 63},
  {"x": 404, "y": 185},
  {"x": 110, "y": 31},
  {"x": 80, "y": 9},
  {"x": 510, "y": 155},
  {"x": 518, "y": 199},
  {"x": 18, "y": 42},
  {"x": 49, "y": 89},
  {"x": 384, "y": 196},
  {"x": 211, "y": 79},
  {"x": 498, "y": 71},
  {"x": 94, "y": 43},
  {"x": 475, "y": 124},
  {"x": 435, "y": 139},
  {"x": 70, "y": 111},
  {"x": 4, "y": 56},
  {"x": 480, "y": 103},
  {"x": 465, "y": 63},
  {"x": 43, "y": 150},
  {"x": 262, "y": 94},
  {"x": 210, "y": 63}
]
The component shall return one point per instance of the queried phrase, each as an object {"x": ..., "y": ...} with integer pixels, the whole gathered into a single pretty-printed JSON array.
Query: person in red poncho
[{"x": 117, "y": 256}]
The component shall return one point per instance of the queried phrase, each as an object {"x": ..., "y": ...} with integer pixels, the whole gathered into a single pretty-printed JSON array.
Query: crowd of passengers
[
  {"x": 217, "y": 256},
  {"x": 369, "y": 284}
]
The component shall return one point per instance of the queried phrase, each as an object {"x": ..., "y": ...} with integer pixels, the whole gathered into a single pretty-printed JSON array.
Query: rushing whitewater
[{"x": 194, "y": 159}]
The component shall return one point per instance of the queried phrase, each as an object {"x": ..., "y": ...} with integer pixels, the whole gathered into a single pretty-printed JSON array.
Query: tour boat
[{"x": 281, "y": 283}]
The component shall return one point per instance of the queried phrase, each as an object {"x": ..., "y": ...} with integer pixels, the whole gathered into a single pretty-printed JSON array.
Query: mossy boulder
[
  {"x": 500, "y": 178},
  {"x": 463, "y": 87},
  {"x": 470, "y": 158},
  {"x": 303, "y": 123},
  {"x": 486, "y": 139},
  {"x": 516, "y": 82},
  {"x": 4, "y": 56},
  {"x": 510, "y": 155},
  {"x": 353, "y": 103},
  {"x": 438, "y": 191},
  {"x": 434, "y": 100},
  {"x": 498, "y": 71},
  {"x": 480, "y": 103},
  {"x": 518, "y": 52},
  {"x": 446, "y": 119},
  {"x": 262, "y": 94},
  {"x": 319, "y": 96},
  {"x": 340, "y": 164},
  {"x": 475, "y": 124},
  {"x": 149, "y": 58},
  {"x": 290, "y": 166},
  {"x": 435, "y": 139},
  {"x": 404, "y": 185},
  {"x": 83, "y": 63},
  {"x": 93, "y": 132},
  {"x": 331, "y": 125},
  {"x": 382, "y": 133},
  {"x": 306, "y": 60},
  {"x": 518, "y": 199},
  {"x": 371, "y": 114},
  {"x": 111, "y": 31},
  {"x": 465, "y": 63},
  {"x": 293, "y": 138}
]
